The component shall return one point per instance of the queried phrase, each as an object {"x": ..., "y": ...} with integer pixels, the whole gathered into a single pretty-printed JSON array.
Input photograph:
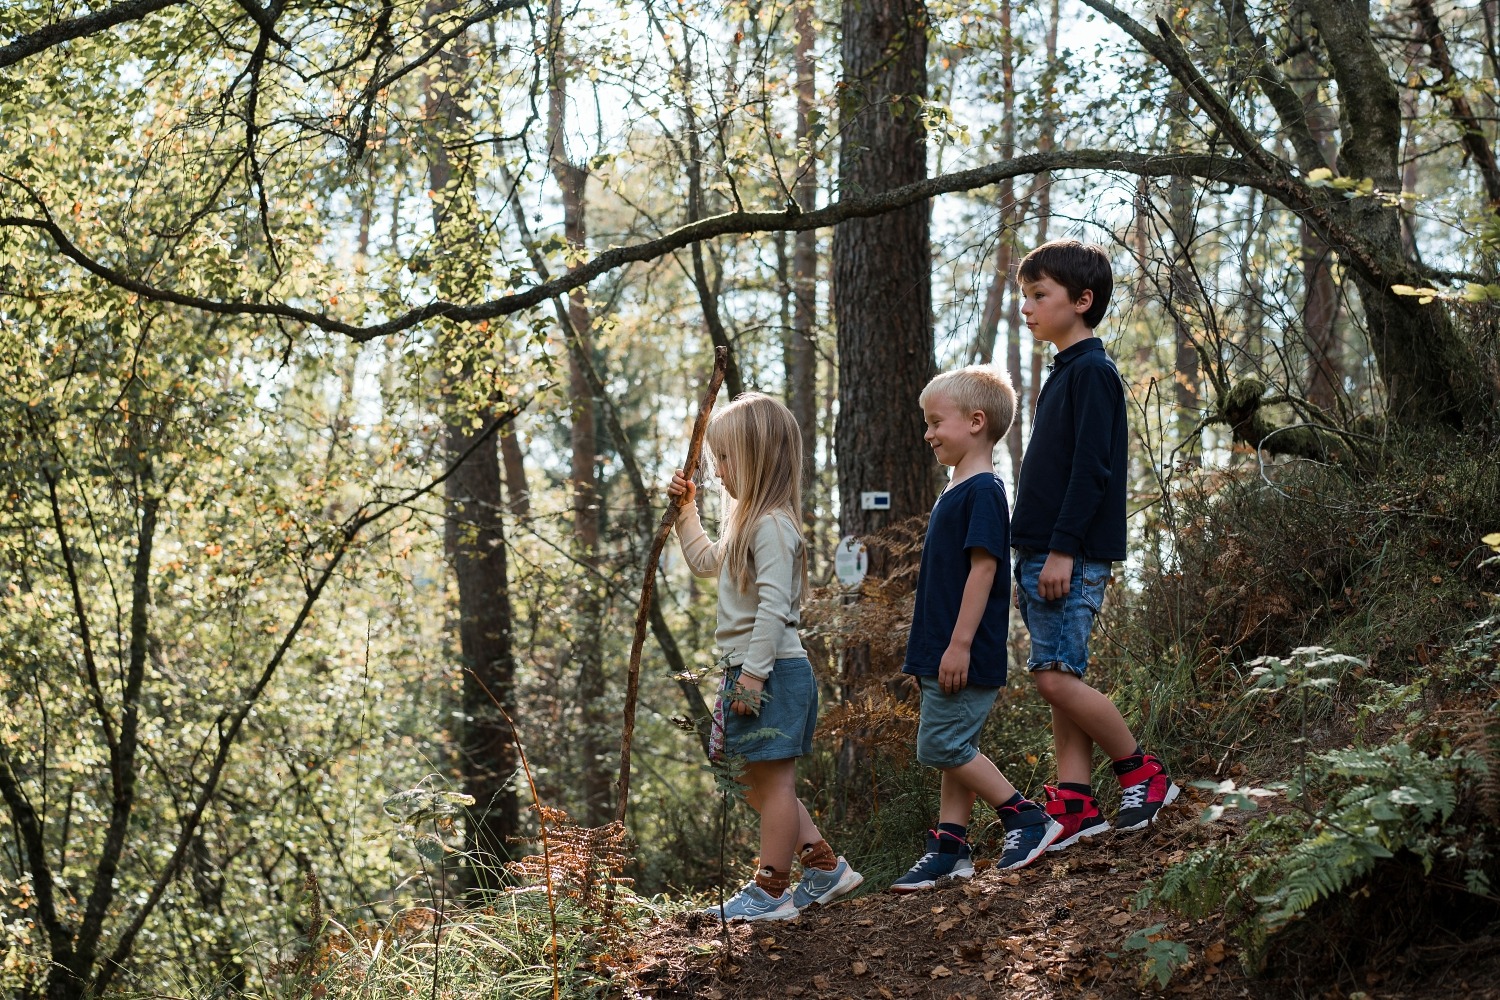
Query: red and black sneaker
[
  {"x": 1145, "y": 788},
  {"x": 1077, "y": 813}
]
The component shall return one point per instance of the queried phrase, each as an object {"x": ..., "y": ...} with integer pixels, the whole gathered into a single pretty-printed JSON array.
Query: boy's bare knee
[{"x": 1053, "y": 683}]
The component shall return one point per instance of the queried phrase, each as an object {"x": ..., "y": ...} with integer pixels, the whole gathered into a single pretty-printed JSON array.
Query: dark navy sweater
[{"x": 1071, "y": 493}]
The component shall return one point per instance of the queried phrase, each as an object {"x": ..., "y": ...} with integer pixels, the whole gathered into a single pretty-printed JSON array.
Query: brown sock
[
  {"x": 819, "y": 856},
  {"x": 773, "y": 882}
]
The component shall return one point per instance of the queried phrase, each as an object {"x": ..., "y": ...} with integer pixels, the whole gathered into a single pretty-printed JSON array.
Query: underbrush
[
  {"x": 1259, "y": 561},
  {"x": 504, "y": 949},
  {"x": 1368, "y": 849}
]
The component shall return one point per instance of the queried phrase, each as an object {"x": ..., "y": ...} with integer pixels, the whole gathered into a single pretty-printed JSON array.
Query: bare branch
[
  {"x": 1220, "y": 169},
  {"x": 1286, "y": 101},
  {"x": 1169, "y": 51},
  {"x": 1475, "y": 142},
  {"x": 79, "y": 27}
]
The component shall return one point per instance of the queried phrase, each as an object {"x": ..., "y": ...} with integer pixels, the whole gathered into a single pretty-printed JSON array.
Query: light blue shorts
[
  {"x": 784, "y": 727},
  {"x": 1060, "y": 629},
  {"x": 949, "y": 726}
]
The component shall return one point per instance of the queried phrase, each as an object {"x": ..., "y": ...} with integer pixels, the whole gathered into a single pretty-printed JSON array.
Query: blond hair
[
  {"x": 978, "y": 387},
  {"x": 760, "y": 438}
]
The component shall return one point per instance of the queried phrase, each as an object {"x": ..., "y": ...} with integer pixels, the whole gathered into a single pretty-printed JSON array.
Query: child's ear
[
  {"x": 977, "y": 421},
  {"x": 1086, "y": 299}
]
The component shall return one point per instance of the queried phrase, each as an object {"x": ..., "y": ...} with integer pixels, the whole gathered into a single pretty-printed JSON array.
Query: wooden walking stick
[{"x": 648, "y": 586}]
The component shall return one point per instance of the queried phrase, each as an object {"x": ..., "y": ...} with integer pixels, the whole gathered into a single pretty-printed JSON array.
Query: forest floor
[{"x": 1055, "y": 929}]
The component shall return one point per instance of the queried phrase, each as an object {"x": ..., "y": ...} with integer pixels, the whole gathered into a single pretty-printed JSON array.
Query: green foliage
[
  {"x": 1371, "y": 805},
  {"x": 1160, "y": 955},
  {"x": 1349, "y": 811}
]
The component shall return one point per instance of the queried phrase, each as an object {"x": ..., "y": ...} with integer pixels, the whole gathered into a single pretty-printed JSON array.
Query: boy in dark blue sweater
[{"x": 1069, "y": 526}]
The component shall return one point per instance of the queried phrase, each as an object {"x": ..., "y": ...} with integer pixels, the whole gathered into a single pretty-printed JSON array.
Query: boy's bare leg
[
  {"x": 772, "y": 792},
  {"x": 979, "y": 777},
  {"x": 1081, "y": 716},
  {"x": 1073, "y": 749}
]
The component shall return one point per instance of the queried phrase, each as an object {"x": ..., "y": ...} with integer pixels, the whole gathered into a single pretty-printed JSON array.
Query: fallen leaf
[
  {"x": 886, "y": 993},
  {"x": 941, "y": 972},
  {"x": 1014, "y": 878},
  {"x": 821, "y": 982},
  {"x": 877, "y": 953},
  {"x": 795, "y": 991},
  {"x": 1120, "y": 919},
  {"x": 859, "y": 968},
  {"x": 1214, "y": 953}
]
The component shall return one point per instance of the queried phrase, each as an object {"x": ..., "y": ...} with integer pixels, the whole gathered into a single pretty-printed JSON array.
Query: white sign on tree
[{"x": 850, "y": 561}]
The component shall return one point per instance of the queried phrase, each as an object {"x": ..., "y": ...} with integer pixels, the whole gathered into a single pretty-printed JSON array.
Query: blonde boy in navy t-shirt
[{"x": 957, "y": 646}]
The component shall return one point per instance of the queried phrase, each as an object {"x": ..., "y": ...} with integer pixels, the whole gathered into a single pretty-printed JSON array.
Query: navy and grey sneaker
[
  {"x": 754, "y": 903},
  {"x": 819, "y": 887},
  {"x": 946, "y": 860},
  {"x": 1144, "y": 790},
  {"x": 1028, "y": 834}
]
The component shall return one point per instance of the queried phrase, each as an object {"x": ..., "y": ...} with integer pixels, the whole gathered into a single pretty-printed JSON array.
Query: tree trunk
[
  {"x": 882, "y": 301},
  {"x": 1046, "y": 140},
  {"x": 514, "y": 464},
  {"x": 882, "y": 269},
  {"x": 1002, "y": 287},
  {"x": 595, "y": 742},
  {"x": 487, "y": 756},
  {"x": 1320, "y": 296},
  {"x": 802, "y": 355},
  {"x": 1430, "y": 374}
]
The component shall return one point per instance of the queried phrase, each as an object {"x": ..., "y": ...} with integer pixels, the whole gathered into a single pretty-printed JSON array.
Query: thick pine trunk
[
  {"x": 882, "y": 302},
  {"x": 882, "y": 296}
]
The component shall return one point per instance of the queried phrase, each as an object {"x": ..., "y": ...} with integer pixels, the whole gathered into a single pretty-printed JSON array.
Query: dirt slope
[{"x": 1056, "y": 929}]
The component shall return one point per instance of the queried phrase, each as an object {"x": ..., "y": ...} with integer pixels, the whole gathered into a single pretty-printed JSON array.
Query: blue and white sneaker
[
  {"x": 754, "y": 903},
  {"x": 947, "y": 859},
  {"x": 822, "y": 888},
  {"x": 1028, "y": 834}
]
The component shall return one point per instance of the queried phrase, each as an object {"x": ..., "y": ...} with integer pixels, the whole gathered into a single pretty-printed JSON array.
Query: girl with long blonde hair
[{"x": 768, "y": 685}]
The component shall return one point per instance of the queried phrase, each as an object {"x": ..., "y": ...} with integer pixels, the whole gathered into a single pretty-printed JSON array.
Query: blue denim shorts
[
  {"x": 948, "y": 730},
  {"x": 1060, "y": 629},
  {"x": 783, "y": 728}
]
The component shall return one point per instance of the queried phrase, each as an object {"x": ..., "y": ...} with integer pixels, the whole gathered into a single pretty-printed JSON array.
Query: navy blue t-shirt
[{"x": 969, "y": 515}]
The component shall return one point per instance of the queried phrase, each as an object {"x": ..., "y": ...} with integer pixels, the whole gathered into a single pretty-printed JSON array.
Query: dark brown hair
[{"x": 1078, "y": 267}]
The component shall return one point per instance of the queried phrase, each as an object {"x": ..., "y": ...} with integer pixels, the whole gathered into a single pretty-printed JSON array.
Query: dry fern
[
  {"x": 1479, "y": 736},
  {"x": 581, "y": 863}
]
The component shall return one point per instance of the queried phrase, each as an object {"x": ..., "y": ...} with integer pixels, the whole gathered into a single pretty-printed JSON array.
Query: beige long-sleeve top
[{"x": 756, "y": 626}]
